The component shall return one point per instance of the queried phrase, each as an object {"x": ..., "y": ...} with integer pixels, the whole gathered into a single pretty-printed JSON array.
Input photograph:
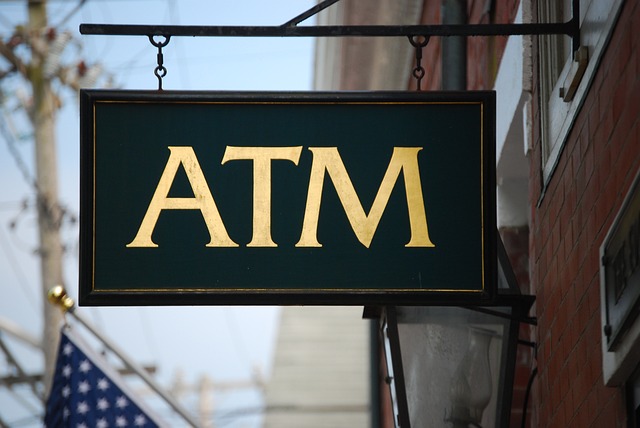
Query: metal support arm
[
  {"x": 570, "y": 28},
  {"x": 566, "y": 28}
]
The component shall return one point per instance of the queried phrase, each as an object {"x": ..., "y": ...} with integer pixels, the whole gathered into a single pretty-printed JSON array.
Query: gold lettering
[
  {"x": 202, "y": 200},
  {"x": 328, "y": 159},
  {"x": 262, "y": 157}
]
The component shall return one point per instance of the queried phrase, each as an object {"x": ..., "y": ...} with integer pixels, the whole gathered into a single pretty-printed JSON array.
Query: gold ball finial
[{"x": 58, "y": 296}]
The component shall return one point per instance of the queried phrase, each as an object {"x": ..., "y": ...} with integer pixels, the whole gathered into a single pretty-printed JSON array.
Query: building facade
[
  {"x": 568, "y": 192},
  {"x": 320, "y": 376}
]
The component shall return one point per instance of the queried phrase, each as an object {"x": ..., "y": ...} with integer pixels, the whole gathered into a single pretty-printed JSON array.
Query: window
[{"x": 564, "y": 75}]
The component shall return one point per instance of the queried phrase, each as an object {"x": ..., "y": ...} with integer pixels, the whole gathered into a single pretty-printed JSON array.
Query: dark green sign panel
[{"x": 294, "y": 198}]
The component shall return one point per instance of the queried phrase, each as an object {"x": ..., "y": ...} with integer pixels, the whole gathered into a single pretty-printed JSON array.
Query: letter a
[
  {"x": 403, "y": 159},
  {"x": 202, "y": 200}
]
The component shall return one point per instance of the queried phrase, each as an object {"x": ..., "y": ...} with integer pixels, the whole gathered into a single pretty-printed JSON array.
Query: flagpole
[{"x": 58, "y": 296}]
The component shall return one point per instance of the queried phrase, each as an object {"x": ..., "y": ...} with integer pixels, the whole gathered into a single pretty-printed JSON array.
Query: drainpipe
[{"x": 454, "y": 49}]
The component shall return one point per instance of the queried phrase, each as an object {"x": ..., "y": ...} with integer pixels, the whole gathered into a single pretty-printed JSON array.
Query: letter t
[{"x": 262, "y": 157}]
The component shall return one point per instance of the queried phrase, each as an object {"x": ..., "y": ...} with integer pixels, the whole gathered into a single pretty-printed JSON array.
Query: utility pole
[
  {"x": 45, "y": 45},
  {"x": 49, "y": 212}
]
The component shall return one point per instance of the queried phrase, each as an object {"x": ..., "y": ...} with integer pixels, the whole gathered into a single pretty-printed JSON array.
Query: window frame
[{"x": 557, "y": 116}]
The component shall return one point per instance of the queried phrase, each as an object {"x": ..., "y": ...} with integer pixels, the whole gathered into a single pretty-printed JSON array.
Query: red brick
[
  {"x": 581, "y": 183},
  {"x": 568, "y": 242},
  {"x": 593, "y": 298},
  {"x": 604, "y": 168},
  {"x": 622, "y": 48},
  {"x": 571, "y": 198},
  {"x": 558, "y": 416},
  {"x": 636, "y": 57},
  {"x": 607, "y": 119},
  {"x": 543, "y": 414},
  {"x": 581, "y": 398},
  {"x": 555, "y": 240},
  {"x": 569, "y": 412},
  {"x": 594, "y": 369},
  {"x": 583, "y": 417},
  {"x": 609, "y": 415},
  {"x": 634, "y": 17},
  {"x": 589, "y": 164},
  {"x": 628, "y": 157},
  {"x": 583, "y": 313},
  {"x": 575, "y": 331}
]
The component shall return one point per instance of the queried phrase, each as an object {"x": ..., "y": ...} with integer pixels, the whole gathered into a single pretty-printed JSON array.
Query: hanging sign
[{"x": 287, "y": 198}]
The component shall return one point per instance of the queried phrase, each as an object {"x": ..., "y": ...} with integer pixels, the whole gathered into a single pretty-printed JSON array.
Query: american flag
[{"x": 87, "y": 392}]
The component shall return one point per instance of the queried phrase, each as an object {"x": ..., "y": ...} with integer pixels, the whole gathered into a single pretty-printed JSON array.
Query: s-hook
[
  {"x": 160, "y": 71},
  {"x": 418, "y": 42}
]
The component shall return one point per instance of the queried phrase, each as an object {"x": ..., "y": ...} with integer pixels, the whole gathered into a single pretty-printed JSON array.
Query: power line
[
  {"x": 236, "y": 337},
  {"x": 148, "y": 333},
  {"x": 70, "y": 14},
  {"x": 15, "y": 267},
  {"x": 9, "y": 138}
]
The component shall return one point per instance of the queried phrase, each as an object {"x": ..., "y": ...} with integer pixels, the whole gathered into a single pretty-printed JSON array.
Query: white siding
[{"x": 320, "y": 376}]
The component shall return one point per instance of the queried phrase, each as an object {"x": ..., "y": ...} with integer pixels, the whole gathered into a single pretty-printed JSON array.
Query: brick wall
[
  {"x": 594, "y": 172},
  {"x": 516, "y": 243}
]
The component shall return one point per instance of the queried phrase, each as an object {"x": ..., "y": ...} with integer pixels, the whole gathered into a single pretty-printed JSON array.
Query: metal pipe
[{"x": 454, "y": 49}]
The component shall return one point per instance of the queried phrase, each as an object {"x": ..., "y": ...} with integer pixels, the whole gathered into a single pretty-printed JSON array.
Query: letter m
[{"x": 403, "y": 159}]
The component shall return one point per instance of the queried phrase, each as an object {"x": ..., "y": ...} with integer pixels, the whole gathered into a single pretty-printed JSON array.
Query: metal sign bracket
[{"x": 570, "y": 28}]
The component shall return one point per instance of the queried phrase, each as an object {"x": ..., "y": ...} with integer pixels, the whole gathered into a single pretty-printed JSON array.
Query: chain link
[
  {"x": 418, "y": 73},
  {"x": 160, "y": 71}
]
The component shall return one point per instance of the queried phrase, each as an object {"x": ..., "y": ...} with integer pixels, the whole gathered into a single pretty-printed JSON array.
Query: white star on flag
[
  {"x": 85, "y": 366},
  {"x": 140, "y": 420},
  {"x": 103, "y": 384},
  {"x": 83, "y": 407},
  {"x": 103, "y": 404},
  {"x": 121, "y": 421},
  {"x": 84, "y": 387},
  {"x": 68, "y": 349},
  {"x": 121, "y": 402}
]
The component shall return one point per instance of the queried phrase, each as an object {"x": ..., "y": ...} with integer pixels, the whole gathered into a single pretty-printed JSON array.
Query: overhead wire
[
  {"x": 236, "y": 337},
  {"x": 10, "y": 140},
  {"x": 70, "y": 14},
  {"x": 11, "y": 359},
  {"x": 174, "y": 14},
  {"x": 21, "y": 277},
  {"x": 8, "y": 133},
  {"x": 149, "y": 336}
]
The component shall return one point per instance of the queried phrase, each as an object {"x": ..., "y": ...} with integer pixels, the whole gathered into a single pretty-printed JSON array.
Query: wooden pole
[{"x": 49, "y": 213}]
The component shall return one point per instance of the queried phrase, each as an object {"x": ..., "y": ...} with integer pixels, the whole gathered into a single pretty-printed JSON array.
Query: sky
[{"x": 226, "y": 344}]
